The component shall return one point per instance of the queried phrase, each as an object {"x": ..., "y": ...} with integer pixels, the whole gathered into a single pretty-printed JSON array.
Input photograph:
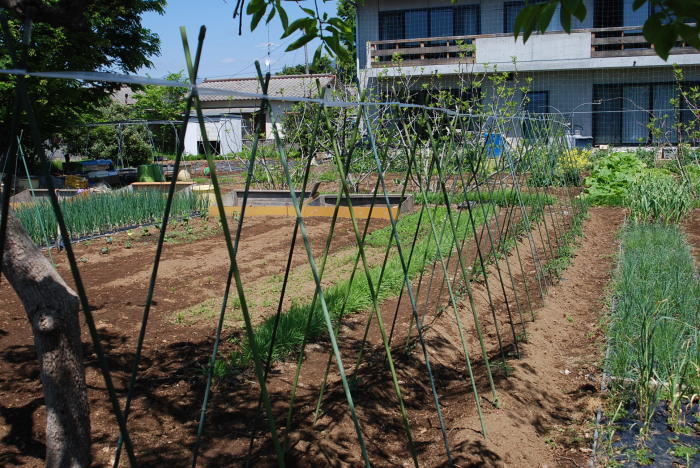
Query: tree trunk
[{"x": 52, "y": 309}]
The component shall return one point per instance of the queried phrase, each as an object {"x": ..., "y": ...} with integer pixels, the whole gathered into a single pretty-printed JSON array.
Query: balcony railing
[
  {"x": 422, "y": 51},
  {"x": 627, "y": 42},
  {"x": 604, "y": 42}
]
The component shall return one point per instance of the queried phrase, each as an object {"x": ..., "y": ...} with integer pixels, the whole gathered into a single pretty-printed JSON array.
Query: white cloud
[{"x": 228, "y": 60}]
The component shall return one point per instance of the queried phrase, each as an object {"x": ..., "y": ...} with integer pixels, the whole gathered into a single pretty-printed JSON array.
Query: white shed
[{"x": 224, "y": 132}]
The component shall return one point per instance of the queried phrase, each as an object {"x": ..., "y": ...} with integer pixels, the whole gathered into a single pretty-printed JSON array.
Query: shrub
[{"x": 657, "y": 196}]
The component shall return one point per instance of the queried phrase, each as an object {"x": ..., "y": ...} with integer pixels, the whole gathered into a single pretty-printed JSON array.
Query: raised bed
[{"x": 279, "y": 203}]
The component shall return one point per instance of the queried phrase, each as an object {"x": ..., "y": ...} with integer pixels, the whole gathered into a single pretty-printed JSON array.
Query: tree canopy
[
  {"x": 69, "y": 35},
  {"x": 323, "y": 65}
]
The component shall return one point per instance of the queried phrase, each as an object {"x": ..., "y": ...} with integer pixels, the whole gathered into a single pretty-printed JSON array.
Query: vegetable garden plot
[
  {"x": 653, "y": 351},
  {"x": 366, "y": 363},
  {"x": 101, "y": 213}
]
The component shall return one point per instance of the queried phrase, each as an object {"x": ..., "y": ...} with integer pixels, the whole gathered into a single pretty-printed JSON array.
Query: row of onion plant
[
  {"x": 654, "y": 328},
  {"x": 100, "y": 213}
]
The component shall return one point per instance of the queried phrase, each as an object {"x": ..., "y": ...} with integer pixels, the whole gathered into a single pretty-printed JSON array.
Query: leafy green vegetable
[{"x": 612, "y": 177}]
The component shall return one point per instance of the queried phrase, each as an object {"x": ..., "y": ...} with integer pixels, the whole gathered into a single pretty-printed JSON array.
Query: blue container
[
  {"x": 494, "y": 144},
  {"x": 583, "y": 142}
]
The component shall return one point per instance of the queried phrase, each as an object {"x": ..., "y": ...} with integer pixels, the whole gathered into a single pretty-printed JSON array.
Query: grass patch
[
  {"x": 223, "y": 179},
  {"x": 290, "y": 333},
  {"x": 208, "y": 310},
  {"x": 330, "y": 175},
  {"x": 567, "y": 246},
  {"x": 654, "y": 325},
  {"x": 500, "y": 197}
]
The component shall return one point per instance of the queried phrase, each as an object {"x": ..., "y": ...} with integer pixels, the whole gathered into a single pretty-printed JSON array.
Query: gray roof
[
  {"x": 124, "y": 95},
  {"x": 284, "y": 85}
]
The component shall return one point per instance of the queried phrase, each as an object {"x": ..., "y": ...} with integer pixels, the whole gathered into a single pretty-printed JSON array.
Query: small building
[
  {"x": 231, "y": 120},
  {"x": 224, "y": 132}
]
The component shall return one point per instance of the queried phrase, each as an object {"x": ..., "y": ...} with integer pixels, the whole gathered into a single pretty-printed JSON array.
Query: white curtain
[
  {"x": 635, "y": 116},
  {"x": 665, "y": 113}
]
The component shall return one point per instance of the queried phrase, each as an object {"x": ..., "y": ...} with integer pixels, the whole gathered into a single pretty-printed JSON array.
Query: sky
[{"x": 225, "y": 53}]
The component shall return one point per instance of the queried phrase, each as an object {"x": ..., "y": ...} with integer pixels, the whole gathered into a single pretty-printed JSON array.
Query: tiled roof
[
  {"x": 124, "y": 95},
  {"x": 285, "y": 85}
]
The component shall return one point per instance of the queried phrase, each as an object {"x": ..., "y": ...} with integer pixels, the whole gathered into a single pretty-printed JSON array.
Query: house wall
[
  {"x": 570, "y": 92},
  {"x": 492, "y": 12}
]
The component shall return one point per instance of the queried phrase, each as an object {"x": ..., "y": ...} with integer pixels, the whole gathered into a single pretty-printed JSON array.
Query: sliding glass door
[{"x": 635, "y": 116}]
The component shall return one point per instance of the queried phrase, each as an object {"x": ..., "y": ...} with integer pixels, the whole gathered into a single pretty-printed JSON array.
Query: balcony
[
  {"x": 495, "y": 48},
  {"x": 425, "y": 51},
  {"x": 627, "y": 42}
]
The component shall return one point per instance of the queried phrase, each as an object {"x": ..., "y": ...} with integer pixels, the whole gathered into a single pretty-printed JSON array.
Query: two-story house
[{"x": 603, "y": 76}]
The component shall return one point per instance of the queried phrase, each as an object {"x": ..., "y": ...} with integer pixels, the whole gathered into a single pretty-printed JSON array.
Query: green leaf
[
  {"x": 662, "y": 36},
  {"x": 255, "y": 6},
  {"x": 565, "y": 19},
  {"x": 334, "y": 44},
  {"x": 526, "y": 21},
  {"x": 257, "y": 16},
  {"x": 301, "y": 23},
  {"x": 545, "y": 16},
  {"x": 283, "y": 16},
  {"x": 318, "y": 53},
  {"x": 270, "y": 16},
  {"x": 305, "y": 39}
]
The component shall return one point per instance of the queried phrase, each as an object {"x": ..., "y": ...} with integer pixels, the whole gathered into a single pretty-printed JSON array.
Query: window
[
  {"x": 416, "y": 24},
  {"x": 467, "y": 20},
  {"x": 607, "y": 120},
  {"x": 391, "y": 25},
  {"x": 689, "y": 114},
  {"x": 635, "y": 117},
  {"x": 632, "y": 17},
  {"x": 432, "y": 22},
  {"x": 624, "y": 113},
  {"x": 537, "y": 102},
  {"x": 664, "y": 113},
  {"x": 510, "y": 12},
  {"x": 442, "y": 22},
  {"x": 250, "y": 123},
  {"x": 607, "y": 13}
]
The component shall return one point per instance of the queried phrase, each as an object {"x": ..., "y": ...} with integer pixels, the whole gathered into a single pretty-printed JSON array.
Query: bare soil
[
  {"x": 691, "y": 227},
  {"x": 543, "y": 403}
]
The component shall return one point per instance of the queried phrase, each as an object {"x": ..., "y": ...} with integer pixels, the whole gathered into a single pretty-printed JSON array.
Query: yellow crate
[{"x": 76, "y": 182}]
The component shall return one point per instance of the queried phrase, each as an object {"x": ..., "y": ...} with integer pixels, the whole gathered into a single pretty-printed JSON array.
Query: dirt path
[
  {"x": 552, "y": 392},
  {"x": 691, "y": 227}
]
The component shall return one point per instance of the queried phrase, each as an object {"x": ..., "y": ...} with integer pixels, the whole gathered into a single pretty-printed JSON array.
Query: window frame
[
  {"x": 680, "y": 111},
  {"x": 520, "y": 3},
  {"x": 457, "y": 28},
  {"x": 542, "y": 92}
]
